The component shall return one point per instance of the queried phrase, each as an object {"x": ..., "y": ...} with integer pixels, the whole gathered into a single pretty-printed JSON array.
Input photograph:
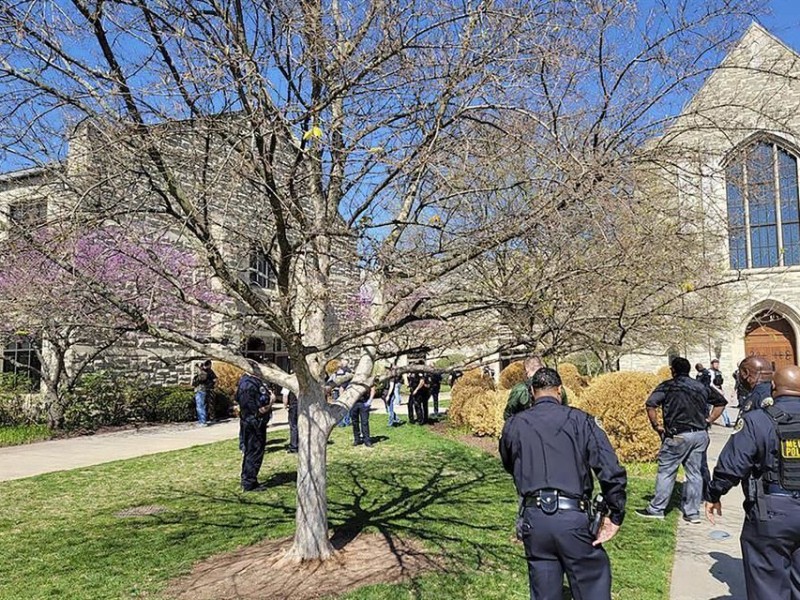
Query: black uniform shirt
[
  {"x": 551, "y": 446},
  {"x": 751, "y": 451},
  {"x": 251, "y": 394},
  {"x": 757, "y": 394},
  {"x": 683, "y": 401}
]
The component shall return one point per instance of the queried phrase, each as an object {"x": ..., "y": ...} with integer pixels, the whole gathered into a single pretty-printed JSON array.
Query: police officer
[
  {"x": 766, "y": 448},
  {"x": 755, "y": 373},
  {"x": 551, "y": 450},
  {"x": 255, "y": 402}
]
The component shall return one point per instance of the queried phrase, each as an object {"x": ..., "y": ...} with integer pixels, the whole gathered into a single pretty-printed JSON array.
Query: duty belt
[
  {"x": 551, "y": 501},
  {"x": 773, "y": 489}
]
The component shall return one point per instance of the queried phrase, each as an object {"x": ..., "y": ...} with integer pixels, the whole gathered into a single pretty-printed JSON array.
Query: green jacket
[{"x": 519, "y": 399}]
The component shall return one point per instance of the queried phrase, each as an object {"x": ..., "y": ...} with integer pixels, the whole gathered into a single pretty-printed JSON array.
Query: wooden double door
[{"x": 770, "y": 335}]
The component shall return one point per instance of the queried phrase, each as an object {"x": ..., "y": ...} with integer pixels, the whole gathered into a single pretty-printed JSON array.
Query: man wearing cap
[
  {"x": 766, "y": 449},
  {"x": 551, "y": 450}
]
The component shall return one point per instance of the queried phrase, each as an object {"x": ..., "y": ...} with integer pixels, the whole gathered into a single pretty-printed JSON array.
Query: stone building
[
  {"x": 738, "y": 140},
  {"x": 108, "y": 177}
]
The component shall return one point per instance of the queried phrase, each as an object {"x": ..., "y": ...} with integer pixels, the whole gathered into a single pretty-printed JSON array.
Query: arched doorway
[{"x": 769, "y": 334}]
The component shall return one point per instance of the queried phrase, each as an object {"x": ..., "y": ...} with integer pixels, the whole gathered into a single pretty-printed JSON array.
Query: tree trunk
[
  {"x": 55, "y": 408},
  {"x": 315, "y": 423}
]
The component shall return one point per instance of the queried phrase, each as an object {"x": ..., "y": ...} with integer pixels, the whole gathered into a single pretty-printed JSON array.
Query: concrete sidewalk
[
  {"x": 17, "y": 462},
  {"x": 708, "y": 559}
]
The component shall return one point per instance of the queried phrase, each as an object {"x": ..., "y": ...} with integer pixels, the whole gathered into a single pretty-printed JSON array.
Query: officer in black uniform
[
  {"x": 551, "y": 450},
  {"x": 255, "y": 402},
  {"x": 755, "y": 373},
  {"x": 766, "y": 448}
]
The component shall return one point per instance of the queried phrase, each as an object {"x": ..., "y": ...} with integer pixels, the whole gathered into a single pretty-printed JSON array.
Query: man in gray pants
[{"x": 684, "y": 438}]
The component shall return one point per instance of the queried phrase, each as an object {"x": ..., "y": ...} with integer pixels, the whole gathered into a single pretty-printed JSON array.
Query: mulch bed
[
  {"x": 261, "y": 571},
  {"x": 487, "y": 443}
]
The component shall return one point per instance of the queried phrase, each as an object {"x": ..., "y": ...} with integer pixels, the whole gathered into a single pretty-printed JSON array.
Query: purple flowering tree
[{"x": 53, "y": 299}]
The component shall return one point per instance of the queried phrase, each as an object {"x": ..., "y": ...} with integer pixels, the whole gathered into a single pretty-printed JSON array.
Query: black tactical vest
[{"x": 787, "y": 428}]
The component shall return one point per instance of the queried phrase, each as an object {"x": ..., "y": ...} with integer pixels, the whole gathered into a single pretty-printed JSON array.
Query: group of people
[
  {"x": 256, "y": 400},
  {"x": 552, "y": 452}
]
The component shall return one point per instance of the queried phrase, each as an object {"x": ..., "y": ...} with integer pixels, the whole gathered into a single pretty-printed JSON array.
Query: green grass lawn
[
  {"x": 60, "y": 538},
  {"x": 14, "y": 435}
]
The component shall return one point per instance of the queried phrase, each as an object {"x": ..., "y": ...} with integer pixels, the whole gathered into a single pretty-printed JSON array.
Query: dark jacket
[{"x": 551, "y": 446}]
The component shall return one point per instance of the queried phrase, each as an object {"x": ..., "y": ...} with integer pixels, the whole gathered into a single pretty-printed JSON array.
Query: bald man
[
  {"x": 766, "y": 450},
  {"x": 755, "y": 375}
]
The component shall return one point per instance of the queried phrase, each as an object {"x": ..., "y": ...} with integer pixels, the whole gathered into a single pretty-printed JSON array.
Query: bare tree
[{"x": 363, "y": 162}]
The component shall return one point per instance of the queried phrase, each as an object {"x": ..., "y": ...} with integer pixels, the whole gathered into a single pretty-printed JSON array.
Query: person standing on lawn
[
  {"x": 552, "y": 450},
  {"x": 255, "y": 402},
  {"x": 684, "y": 438}
]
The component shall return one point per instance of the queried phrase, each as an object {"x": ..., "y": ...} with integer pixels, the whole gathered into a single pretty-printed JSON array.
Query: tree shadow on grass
[{"x": 443, "y": 504}]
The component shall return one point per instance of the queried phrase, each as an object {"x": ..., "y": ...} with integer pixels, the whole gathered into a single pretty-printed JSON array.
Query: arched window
[{"x": 763, "y": 213}]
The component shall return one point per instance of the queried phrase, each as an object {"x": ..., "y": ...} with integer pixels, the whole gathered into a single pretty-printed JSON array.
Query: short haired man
[
  {"x": 204, "y": 380},
  {"x": 684, "y": 438},
  {"x": 519, "y": 397},
  {"x": 766, "y": 450},
  {"x": 255, "y": 402},
  {"x": 552, "y": 450},
  {"x": 703, "y": 376}
]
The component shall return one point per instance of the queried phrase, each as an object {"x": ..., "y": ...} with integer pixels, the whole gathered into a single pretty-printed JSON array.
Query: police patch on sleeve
[
  {"x": 739, "y": 426},
  {"x": 767, "y": 402},
  {"x": 599, "y": 423}
]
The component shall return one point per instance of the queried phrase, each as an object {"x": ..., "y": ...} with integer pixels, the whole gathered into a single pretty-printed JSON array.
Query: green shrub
[
  {"x": 219, "y": 405},
  {"x": 16, "y": 410},
  {"x": 176, "y": 405},
  {"x": 16, "y": 382},
  {"x": 512, "y": 375},
  {"x": 617, "y": 400},
  {"x": 105, "y": 399},
  {"x": 451, "y": 360}
]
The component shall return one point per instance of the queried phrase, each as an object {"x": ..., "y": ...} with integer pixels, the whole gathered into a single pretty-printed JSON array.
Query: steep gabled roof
[{"x": 755, "y": 43}]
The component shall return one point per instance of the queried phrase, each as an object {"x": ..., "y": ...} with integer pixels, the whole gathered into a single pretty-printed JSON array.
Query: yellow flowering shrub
[
  {"x": 664, "y": 373},
  {"x": 571, "y": 378},
  {"x": 479, "y": 410},
  {"x": 476, "y": 378},
  {"x": 617, "y": 400},
  {"x": 227, "y": 377},
  {"x": 512, "y": 375}
]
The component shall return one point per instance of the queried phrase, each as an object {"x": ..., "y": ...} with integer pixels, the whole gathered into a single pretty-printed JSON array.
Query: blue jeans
[
  {"x": 390, "y": 408},
  {"x": 200, "y": 405},
  {"x": 689, "y": 450}
]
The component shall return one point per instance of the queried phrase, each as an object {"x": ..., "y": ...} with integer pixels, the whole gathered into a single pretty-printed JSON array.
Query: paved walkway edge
[{"x": 706, "y": 567}]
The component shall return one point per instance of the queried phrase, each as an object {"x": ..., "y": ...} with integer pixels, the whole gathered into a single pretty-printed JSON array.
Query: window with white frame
[
  {"x": 261, "y": 271},
  {"x": 763, "y": 213}
]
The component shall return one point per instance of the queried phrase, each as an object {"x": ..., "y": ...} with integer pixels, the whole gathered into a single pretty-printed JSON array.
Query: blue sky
[
  {"x": 784, "y": 22},
  {"x": 781, "y": 17}
]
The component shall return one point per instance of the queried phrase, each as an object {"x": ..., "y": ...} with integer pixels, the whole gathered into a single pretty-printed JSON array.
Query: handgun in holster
[{"x": 597, "y": 512}]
